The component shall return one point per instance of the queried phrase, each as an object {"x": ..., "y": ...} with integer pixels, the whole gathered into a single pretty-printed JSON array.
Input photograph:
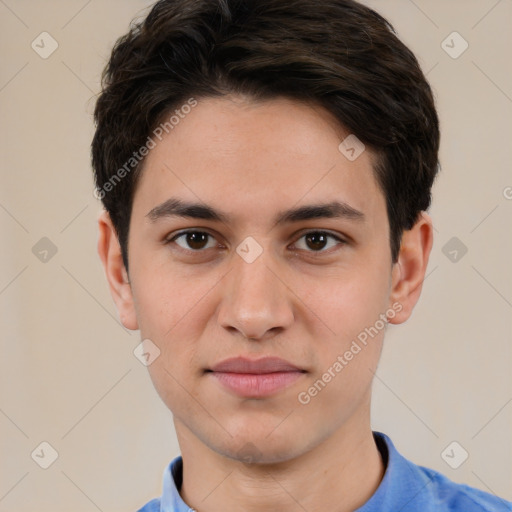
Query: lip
[
  {"x": 256, "y": 378},
  {"x": 254, "y": 366}
]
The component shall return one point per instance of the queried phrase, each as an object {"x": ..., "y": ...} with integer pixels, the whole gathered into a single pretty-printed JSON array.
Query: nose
[{"x": 256, "y": 300}]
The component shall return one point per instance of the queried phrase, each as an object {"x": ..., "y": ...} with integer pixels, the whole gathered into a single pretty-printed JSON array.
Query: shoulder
[
  {"x": 152, "y": 506},
  {"x": 450, "y": 496},
  {"x": 170, "y": 500},
  {"x": 410, "y": 487}
]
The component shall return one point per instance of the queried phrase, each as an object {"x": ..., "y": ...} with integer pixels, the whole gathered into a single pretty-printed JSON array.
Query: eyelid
[
  {"x": 173, "y": 236},
  {"x": 339, "y": 238}
]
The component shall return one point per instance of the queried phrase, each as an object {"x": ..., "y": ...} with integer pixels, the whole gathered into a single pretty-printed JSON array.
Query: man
[{"x": 266, "y": 167}]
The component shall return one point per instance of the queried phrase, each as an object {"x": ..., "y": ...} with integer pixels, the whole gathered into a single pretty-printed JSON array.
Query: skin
[{"x": 302, "y": 301}]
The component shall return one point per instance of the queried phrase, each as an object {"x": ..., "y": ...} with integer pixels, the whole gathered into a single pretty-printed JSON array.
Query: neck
[{"x": 339, "y": 474}]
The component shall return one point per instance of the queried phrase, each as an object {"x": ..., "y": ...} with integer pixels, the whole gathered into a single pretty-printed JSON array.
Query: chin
[{"x": 260, "y": 449}]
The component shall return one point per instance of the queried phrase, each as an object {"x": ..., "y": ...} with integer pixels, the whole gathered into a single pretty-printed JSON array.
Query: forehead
[{"x": 253, "y": 158}]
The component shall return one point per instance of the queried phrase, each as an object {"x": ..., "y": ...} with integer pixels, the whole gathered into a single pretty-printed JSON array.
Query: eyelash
[{"x": 318, "y": 232}]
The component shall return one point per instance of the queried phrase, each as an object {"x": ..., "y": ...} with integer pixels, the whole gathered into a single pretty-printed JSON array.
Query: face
[{"x": 254, "y": 274}]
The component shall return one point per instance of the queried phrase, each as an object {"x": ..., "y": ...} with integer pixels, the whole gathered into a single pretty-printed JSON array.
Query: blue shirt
[{"x": 406, "y": 487}]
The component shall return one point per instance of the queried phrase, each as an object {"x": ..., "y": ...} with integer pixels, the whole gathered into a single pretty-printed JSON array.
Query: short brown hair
[{"x": 338, "y": 54}]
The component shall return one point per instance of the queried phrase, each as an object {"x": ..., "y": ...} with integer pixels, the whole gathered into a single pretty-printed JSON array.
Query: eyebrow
[{"x": 175, "y": 207}]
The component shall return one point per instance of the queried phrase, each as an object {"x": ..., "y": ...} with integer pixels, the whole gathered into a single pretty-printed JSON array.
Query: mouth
[{"x": 255, "y": 378}]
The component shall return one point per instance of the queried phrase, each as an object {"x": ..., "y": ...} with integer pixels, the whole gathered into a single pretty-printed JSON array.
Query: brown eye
[
  {"x": 317, "y": 241},
  {"x": 193, "y": 240}
]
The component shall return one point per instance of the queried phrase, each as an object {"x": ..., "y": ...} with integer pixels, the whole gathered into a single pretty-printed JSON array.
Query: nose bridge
[{"x": 255, "y": 299}]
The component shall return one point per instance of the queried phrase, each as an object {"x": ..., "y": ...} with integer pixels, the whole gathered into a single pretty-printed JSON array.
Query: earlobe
[
  {"x": 110, "y": 254},
  {"x": 409, "y": 271}
]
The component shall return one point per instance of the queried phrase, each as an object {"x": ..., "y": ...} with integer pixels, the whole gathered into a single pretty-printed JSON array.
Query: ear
[
  {"x": 109, "y": 251},
  {"x": 408, "y": 272}
]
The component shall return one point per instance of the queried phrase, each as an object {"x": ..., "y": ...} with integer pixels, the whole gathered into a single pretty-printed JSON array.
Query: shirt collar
[
  {"x": 401, "y": 480},
  {"x": 171, "y": 499}
]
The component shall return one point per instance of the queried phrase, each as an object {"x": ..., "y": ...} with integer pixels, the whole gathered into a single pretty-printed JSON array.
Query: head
[{"x": 231, "y": 119}]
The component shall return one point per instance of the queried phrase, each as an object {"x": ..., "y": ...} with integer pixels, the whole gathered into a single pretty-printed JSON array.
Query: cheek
[
  {"x": 349, "y": 305},
  {"x": 163, "y": 299},
  {"x": 349, "y": 352},
  {"x": 170, "y": 311},
  {"x": 348, "y": 301}
]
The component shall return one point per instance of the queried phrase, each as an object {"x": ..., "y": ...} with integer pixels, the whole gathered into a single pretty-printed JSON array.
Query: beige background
[{"x": 68, "y": 375}]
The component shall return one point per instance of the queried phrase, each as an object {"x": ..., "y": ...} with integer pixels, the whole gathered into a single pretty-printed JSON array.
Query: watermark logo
[
  {"x": 44, "y": 45},
  {"x": 351, "y": 147},
  {"x": 454, "y": 250},
  {"x": 249, "y": 250},
  {"x": 44, "y": 250},
  {"x": 44, "y": 455},
  {"x": 454, "y": 45},
  {"x": 146, "y": 352},
  {"x": 249, "y": 453},
  {"x": 454, "y": 455}
]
